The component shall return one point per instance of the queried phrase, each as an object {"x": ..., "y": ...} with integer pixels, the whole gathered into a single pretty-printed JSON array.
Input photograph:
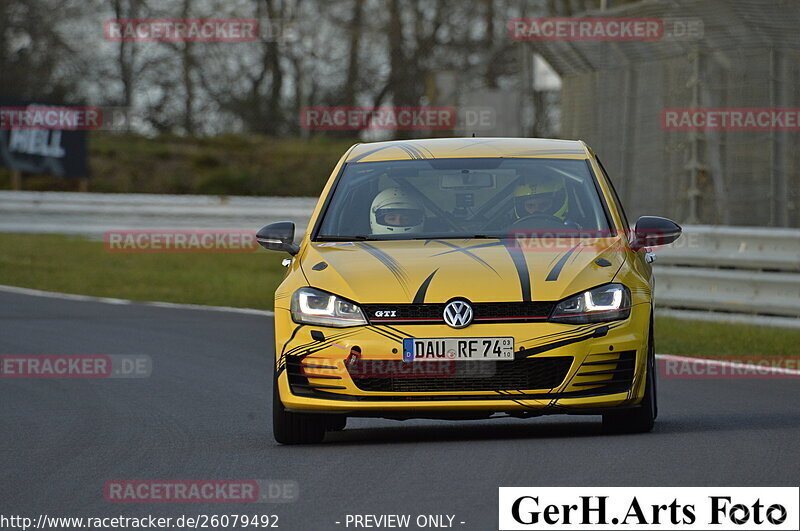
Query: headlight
[
  {"x": 317, "y": 307},
  {"x": 611, "y": 302}
]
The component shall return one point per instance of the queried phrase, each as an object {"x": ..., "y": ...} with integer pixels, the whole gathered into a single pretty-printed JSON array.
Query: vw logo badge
[{"x": 458, "y": 314}]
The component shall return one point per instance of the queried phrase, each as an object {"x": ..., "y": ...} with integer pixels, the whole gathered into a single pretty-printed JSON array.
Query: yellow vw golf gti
[{"x": 465, "y": 278}]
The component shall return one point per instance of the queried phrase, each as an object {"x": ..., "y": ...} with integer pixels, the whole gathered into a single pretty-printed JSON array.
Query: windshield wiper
[
  {"x": 458, "y": 237},
  {"x": 359, "y": 237}
]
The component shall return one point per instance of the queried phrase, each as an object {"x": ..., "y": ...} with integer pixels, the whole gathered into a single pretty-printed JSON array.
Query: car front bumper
[{"x": 599, "y": 366}]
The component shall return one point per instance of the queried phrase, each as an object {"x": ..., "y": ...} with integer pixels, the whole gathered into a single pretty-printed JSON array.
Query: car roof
[{"x": 468, "y": 147}]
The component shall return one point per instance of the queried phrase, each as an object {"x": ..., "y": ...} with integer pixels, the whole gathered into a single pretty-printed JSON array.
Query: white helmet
[{"x": 393, "y": 211}]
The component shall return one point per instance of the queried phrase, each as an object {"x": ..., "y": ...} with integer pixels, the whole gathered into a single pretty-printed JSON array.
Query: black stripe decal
[
  {"x": 566, "y": 333},
  {"x": 326, "y": 344},
  {"x": 594, "y": 328},
  {"x": 509, "y": 395},
  {"x": 518, "y": 257},
  {"x": 330, "y": 340},
  {"x": 384, "y": 333},
  {"x": 464, "y": 250},
  {"x": 323, "y": 346},
  {"x": 471, "y": 247},
  {"x": 294, "y": 333},
  {"x": 368, "y": 153},
  {"x": 426, "y": 148},
  {"x": 478, "y": 142},
  {"x": 553, "y": 274},
  {"x": 280, "y": 363},
  {"x": 408, "y": 151},
  {"x": 418, "y": 154},
  {"x": 549, "y": 152},
  {"x": 522, "y": 354},
  {"x": 399, "y": 332},
  {"x": 392, "y": 264},
  {"x": 419, "y": 298}
]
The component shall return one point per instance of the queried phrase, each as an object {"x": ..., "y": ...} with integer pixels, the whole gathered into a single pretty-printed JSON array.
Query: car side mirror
[
  {"x": 652, "y": 231},
  {"x": 278, "y": 237}
]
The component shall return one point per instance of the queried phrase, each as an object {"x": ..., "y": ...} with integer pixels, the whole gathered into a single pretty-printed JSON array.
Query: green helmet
[{"x": 548, "y": 195}]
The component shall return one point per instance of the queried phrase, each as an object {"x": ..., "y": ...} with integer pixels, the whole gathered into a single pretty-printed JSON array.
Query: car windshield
[{"x": 461, "y": 198}]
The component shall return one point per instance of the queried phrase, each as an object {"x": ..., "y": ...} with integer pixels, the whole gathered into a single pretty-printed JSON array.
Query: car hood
[{"x": 480, "y": 270}]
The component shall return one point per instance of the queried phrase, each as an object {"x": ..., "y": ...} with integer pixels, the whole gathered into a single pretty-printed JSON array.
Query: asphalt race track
[{"x": 204, "y": 413}]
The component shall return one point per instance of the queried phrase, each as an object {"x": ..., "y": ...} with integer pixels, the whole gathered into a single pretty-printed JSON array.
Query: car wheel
[
  {"x": 295, "y": 428},
  {"x": 642, "y": 418}
]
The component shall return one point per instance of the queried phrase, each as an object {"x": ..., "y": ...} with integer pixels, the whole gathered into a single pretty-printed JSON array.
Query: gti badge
[{"x": 458, "y": 314}]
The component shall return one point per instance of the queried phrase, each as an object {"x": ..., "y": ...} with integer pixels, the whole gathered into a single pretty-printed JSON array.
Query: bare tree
[
  {"x": 126, "y": 51},
  {"x": 342, "y": 52},
  {"x": 35, "y": 60}
]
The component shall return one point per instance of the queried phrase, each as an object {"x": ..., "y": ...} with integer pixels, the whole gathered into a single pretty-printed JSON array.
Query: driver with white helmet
[{"x": 394, "y": 211}]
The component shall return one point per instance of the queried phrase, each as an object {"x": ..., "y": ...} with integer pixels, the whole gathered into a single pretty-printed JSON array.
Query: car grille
[
  {"x": 494, "y": 312},
  {"x": 524, "y": 374}
]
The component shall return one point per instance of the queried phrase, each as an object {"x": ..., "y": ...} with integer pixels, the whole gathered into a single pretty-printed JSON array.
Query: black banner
[{"x": 61, "y": 152}]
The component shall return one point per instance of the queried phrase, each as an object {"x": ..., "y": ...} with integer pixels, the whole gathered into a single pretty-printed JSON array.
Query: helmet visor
[
  {"x": 399, "y": 217},
  {"x": 527, "y": 205}
]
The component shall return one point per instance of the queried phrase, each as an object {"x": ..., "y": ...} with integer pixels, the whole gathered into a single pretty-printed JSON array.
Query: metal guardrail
[
  {"x": 93, "y": 214},
  {"x": 729, "y": 290},
  {"x": 731, "y": 269},
  {"x": 736, "y": 247},
  {"x": 721, "y": 271}
]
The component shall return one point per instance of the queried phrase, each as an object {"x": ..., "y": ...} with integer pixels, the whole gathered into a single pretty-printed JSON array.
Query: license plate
[{"x": 458, "y": 348}]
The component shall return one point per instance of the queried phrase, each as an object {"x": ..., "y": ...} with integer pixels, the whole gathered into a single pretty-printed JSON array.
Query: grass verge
[
  {"x": 711, "y": 340},
  {"x": 79, "y": 265},
  {"x": 248, "y": 280}
]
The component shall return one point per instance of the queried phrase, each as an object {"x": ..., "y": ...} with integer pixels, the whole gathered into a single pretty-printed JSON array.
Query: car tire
[
  {"x": 295, "y": 428},
  {"x": 337, "y": 422},
  {"x": 640, "y": 419}
]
